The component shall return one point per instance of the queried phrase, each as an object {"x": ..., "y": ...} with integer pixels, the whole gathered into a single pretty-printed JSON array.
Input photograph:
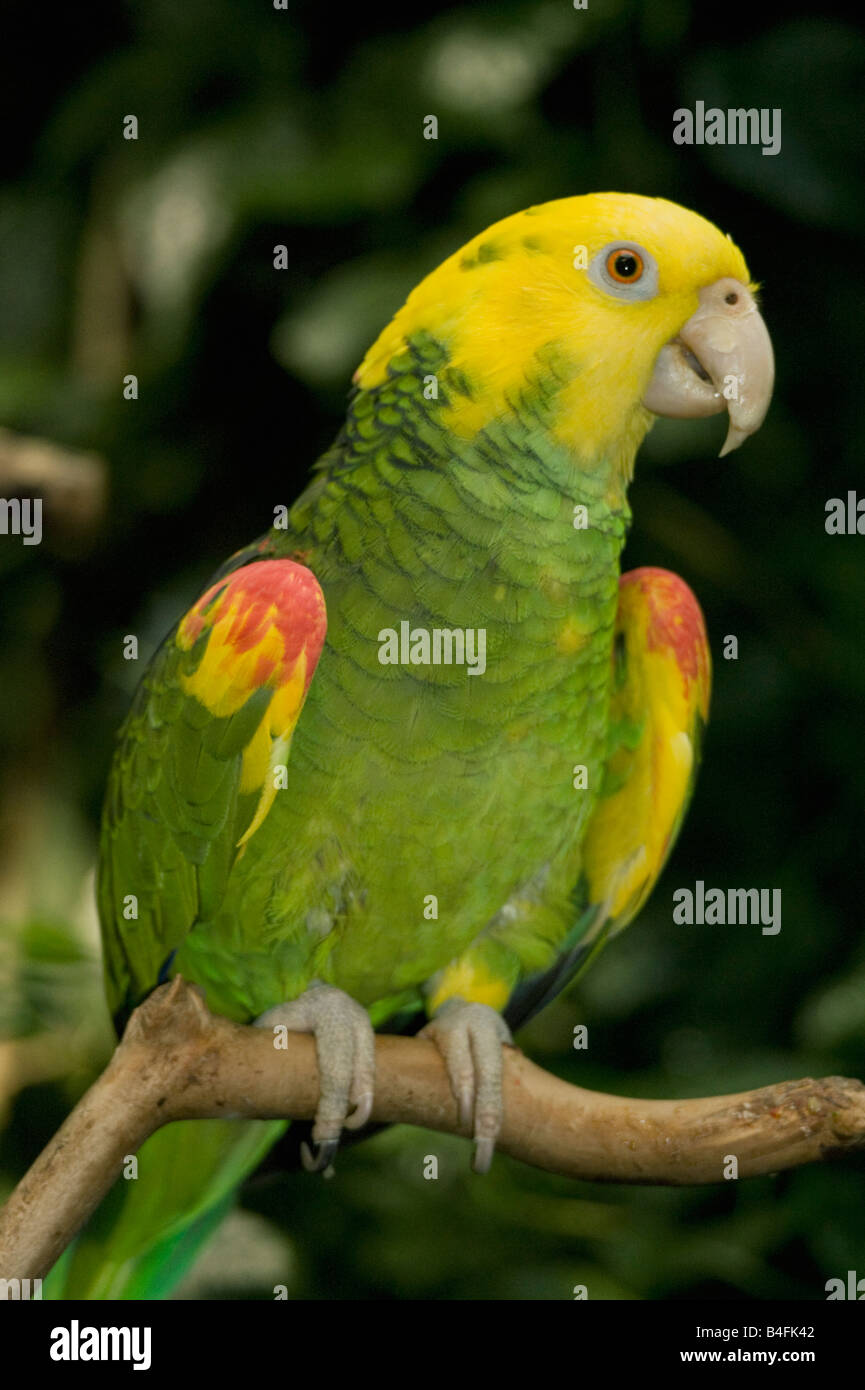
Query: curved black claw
[{"x": 320, "y": 1161}]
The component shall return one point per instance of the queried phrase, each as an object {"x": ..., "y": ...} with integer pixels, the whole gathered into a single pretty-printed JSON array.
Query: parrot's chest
[
  {"x": 450, "y": 750},
  {"x": 422, "y": 793}
]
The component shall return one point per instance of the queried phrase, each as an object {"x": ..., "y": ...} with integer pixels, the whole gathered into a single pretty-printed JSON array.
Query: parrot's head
[{"x": 609, "y": 309}]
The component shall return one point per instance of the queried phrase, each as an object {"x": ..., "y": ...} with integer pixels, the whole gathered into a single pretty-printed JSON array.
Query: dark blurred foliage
[{"x": 154, "y": 257}]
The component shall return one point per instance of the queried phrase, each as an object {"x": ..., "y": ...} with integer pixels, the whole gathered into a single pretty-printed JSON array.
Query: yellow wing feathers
[{"x": 659, "y": 703}]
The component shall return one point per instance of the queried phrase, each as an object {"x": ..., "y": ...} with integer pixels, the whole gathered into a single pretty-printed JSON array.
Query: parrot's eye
[
  {"x": 624, "y": 270},
  {"x": 625, "y": 266}
]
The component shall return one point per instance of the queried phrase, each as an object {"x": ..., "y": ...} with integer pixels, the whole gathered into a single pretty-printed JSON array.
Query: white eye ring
[{"x": 644, "y": 288}]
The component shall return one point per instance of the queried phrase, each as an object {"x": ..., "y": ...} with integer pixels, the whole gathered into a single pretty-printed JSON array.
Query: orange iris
[{"x": 625, "y": 266}]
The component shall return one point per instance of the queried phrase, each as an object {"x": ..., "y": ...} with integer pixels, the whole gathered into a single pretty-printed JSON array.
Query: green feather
[{"x": 402, "y": 781}]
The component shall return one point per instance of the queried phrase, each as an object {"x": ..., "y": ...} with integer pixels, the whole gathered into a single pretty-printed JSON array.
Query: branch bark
[{"x": 177, "y": 1061}]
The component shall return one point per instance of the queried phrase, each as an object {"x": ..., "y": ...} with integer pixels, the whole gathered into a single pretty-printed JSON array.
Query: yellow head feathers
[{"x": 530, "y": 295}]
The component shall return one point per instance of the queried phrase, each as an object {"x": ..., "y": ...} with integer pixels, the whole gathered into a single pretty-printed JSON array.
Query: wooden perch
[{"x": 177, "y": 1061}]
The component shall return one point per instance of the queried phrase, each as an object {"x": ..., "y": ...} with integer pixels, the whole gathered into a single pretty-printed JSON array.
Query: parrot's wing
[
  {"x": 658, "y": 709},
  {"x": 194, "y": 775}
]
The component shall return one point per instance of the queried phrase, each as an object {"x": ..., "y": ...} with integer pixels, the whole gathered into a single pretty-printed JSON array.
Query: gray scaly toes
[
  {"x": 469, "y": 1038},
  {"x": 345, "y": 1048}
]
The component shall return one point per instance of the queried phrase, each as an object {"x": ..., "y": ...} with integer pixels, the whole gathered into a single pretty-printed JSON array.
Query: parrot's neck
[
  {"x": 510, "y": 514},
  {"x": 431, "y": 414}
]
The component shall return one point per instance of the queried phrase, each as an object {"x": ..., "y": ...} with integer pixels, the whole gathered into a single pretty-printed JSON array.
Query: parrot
[{"x": 336, "y": 833}]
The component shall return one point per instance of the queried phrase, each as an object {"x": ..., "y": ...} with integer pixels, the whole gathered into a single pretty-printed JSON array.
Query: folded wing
[
  {"x": 196, "y": 770},
  {"x": 658, "y": 708}
]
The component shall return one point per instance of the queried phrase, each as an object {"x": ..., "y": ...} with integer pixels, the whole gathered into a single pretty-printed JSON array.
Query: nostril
[{"x": 731, "y": 298}]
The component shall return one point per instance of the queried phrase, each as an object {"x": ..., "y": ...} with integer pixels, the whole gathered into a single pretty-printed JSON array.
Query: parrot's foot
[
  {"x": 469, "y": 1038},
  {"x": 345, "y": 1048}
]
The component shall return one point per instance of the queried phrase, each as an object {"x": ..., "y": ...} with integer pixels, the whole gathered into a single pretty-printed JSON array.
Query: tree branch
[{"x": 177, "y": 1061}]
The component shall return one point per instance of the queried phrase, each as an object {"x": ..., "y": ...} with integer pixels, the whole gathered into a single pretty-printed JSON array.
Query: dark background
[{"x": 154, "y": 257}]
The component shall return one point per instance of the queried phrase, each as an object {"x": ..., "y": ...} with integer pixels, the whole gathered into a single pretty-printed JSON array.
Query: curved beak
[{"x": 721, "y": 359}]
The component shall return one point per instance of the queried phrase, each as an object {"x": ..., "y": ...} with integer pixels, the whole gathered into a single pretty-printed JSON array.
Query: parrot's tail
[{"x": 150, "y": 1228}]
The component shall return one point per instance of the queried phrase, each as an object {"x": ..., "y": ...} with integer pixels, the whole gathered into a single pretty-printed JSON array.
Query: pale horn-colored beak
[{"x": 720, "y": 360}]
